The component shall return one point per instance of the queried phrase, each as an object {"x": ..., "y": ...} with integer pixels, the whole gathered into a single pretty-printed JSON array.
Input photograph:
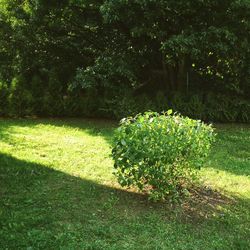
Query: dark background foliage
[{"x": 113, "y": 58}]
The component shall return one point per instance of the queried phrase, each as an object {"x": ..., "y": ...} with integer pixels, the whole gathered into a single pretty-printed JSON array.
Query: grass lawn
[{"x": 57, "y": 191}]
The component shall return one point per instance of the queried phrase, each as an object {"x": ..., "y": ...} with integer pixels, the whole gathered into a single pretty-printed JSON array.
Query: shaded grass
[{"x": 57, "y": 192}]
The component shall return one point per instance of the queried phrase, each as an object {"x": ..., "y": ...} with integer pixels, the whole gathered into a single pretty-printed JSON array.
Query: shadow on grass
[{"x": 42, "y": 207}]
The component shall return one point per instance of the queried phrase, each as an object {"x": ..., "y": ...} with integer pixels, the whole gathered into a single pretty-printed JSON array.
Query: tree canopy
[{"x": 52, "y": 52}]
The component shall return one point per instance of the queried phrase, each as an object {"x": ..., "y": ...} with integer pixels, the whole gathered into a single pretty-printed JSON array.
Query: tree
[
  {"x": 207, "y": 39},
  {"x": 64, "y": 48}
]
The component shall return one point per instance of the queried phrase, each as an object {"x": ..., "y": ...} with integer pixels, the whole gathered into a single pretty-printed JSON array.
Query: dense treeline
[{"x": 112, "y": 58}]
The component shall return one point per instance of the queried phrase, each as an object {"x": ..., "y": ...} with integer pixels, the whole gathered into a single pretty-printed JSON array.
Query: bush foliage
[{"x": 160, "y": 153}]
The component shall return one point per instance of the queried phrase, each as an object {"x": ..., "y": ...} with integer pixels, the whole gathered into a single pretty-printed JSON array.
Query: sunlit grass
[
  {"x": 57, "y": 191},
  {"x": 78, "y": 151},
  {"x": 229, "y": 162}
]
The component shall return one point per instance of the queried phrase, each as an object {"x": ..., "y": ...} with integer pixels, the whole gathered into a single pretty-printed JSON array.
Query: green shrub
[
  {"x": 211, "y": 106},
  {"x": 161, "y": 101},
  {"x": 21, "y": 101},
  {"x": 3, "y": 99},
  {"x": 223, "y": 108},
  {"x": 118, "y": 103},
  {"x": 243, "y": 107},
  {"x": 160, "y": 153}
]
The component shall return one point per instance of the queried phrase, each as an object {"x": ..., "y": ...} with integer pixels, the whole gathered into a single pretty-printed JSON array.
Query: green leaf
[
  {"x": 123, "y": 142},
  {"x": 170, "y": 111}
]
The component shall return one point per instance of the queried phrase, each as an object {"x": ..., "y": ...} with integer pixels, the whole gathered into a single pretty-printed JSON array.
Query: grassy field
[{"x": 57, "y": 191}]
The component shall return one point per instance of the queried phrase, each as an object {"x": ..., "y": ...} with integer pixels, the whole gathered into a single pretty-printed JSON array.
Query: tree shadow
[{"x": 41, "y": 207}]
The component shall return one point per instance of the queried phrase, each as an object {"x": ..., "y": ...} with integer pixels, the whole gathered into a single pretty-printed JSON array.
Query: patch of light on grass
[{"x": 226, "y": 181}]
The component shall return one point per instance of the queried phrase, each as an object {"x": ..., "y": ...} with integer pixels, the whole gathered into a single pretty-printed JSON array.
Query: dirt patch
[{"x": 205, "y": 202}]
